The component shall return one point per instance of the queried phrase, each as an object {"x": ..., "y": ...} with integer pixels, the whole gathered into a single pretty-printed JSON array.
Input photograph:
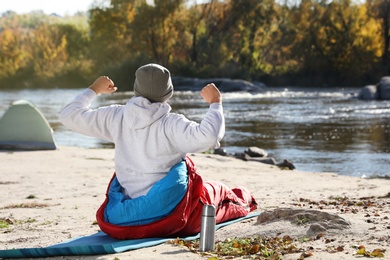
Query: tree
[
  {"x": 380, "y": 10},
  {"x": 110, "y": 32},
  {"x": 12, "y": 53},
  {"x": 48, "y": 51},
  {"x": 155, "y": 29},
  {"x": 338, "y": 41},
  {"x": 195, "y": 20},
  {"x": 246, "y": 38}
]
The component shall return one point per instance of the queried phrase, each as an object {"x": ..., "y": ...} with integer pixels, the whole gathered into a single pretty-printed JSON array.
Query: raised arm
[
  {"x": 189, "y": 136},
  {"x": 100, "y": 122}
]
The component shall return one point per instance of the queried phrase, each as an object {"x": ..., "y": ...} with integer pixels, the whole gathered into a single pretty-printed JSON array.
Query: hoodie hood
[{"x": 139, "y": 112}]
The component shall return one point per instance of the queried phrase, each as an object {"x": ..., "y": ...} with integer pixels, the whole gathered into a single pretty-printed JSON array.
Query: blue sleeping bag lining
[{"x": 159, "y": 202}]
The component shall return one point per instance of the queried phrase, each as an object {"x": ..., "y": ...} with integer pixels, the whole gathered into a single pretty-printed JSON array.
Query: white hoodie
[{"x": 149, "y": 140}]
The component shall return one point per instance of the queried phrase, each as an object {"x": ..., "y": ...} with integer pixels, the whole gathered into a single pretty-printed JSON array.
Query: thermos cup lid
[{"x": 208, "y": 210}]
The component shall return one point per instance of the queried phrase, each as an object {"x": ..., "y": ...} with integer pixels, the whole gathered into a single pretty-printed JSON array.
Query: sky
[{"x": 61, "y": 7}]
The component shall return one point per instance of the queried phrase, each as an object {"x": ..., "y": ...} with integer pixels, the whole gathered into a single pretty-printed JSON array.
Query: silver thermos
[{"x": 207, "y": 229}]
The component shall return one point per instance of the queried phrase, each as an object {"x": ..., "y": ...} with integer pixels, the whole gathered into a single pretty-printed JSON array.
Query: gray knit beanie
[{"x": 153, "y": 81}]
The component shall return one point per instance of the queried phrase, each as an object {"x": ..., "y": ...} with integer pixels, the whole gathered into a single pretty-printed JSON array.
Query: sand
[{"x": 51, "y": 196}]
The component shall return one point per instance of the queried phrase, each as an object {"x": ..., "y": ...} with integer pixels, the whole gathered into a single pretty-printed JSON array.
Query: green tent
[{"x": 24, "y": 127}]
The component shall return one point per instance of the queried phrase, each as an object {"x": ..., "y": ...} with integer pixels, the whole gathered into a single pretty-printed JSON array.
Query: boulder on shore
[
  {"x": 315, "y": 221},
  {"x": 256, "y": 154},
  {"x": 254, "y": 151}
]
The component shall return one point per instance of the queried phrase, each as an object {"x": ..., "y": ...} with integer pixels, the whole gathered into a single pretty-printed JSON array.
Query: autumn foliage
[{"x": 305, "y": 43}]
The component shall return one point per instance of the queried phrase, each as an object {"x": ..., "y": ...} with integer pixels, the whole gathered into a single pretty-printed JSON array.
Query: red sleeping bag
[{"x": 185, "y": 219}]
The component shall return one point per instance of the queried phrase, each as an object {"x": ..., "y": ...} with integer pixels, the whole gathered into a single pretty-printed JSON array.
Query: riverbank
[{"x": 51, "y": 196}]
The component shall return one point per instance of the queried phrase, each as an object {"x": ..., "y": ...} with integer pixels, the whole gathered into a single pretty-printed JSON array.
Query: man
[{"x": 153, "y": 174}]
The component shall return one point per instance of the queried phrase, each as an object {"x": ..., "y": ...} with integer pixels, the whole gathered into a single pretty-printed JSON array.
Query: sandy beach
[{"x": 49, "y": 197}]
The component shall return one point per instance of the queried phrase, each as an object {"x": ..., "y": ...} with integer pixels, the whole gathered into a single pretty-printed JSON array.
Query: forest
[{"x": 313, "y": 43}]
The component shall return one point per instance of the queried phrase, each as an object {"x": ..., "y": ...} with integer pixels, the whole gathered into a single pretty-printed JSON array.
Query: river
[{"x": 316, "y": 129}]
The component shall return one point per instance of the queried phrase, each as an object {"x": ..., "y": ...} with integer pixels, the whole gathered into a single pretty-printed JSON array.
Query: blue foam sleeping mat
[{"x": 98, "y": 244}]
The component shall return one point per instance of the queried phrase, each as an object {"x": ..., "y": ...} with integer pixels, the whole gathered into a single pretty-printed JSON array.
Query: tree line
[{"x": 302, "y": 43}]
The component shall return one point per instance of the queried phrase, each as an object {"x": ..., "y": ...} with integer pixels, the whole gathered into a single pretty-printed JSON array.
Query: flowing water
[{"x": 316, "y": 129}]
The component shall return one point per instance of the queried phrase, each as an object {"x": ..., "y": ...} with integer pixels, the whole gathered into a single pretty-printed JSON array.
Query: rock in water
[{"x": 384, "y": 88}]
